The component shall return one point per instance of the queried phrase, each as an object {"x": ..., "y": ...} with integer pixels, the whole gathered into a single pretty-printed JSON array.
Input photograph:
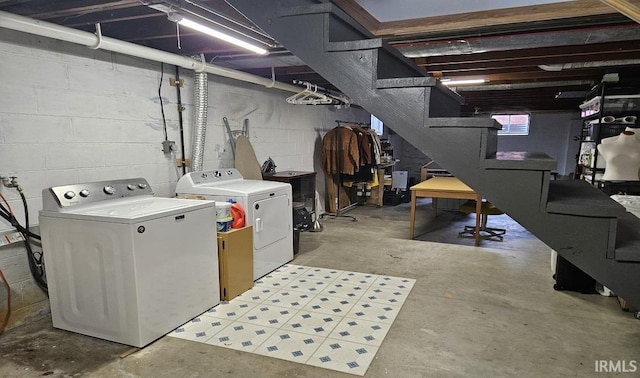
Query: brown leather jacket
[{"x": 349, "y": 160}]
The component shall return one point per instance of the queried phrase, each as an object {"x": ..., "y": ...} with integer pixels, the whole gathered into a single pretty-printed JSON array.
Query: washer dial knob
[
  {"x": 109, "y": 190},
  {"x": 69, "y": 195},
  {"x": 142, "y": 185},
  {"x": 131, "y": 187},
  {"x": 84, "y": 193}
]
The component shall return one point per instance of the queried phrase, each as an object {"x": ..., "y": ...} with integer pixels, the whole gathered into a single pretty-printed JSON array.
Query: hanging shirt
[{"x": 364, "y": 145}]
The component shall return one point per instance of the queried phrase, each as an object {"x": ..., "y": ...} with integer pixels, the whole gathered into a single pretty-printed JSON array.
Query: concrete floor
[{"x": 486, "y": 311}]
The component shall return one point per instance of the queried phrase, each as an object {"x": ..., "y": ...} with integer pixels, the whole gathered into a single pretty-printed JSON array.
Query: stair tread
[
  {"x": 628, "y": 238},
  {"x": 362, "y": 44},
  {"x": 520, "y": 160},
  {"x": 402, "y": 82},
  {"x": 577, "y": 197},
  {"x": 462, "y": 122}
]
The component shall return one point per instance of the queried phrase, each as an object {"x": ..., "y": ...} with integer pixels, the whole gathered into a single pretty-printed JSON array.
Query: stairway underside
[{"x": 578, "y": 221}]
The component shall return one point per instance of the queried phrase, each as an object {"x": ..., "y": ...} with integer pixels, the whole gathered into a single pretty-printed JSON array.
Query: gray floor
[{"x": 484, "y": 311}]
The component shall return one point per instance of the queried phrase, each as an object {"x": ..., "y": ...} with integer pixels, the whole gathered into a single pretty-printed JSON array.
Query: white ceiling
[{"x": 393, "y": 10}]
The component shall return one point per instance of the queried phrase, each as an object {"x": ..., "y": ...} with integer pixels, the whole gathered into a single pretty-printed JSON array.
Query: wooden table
[{"x": 444, "y": 187}]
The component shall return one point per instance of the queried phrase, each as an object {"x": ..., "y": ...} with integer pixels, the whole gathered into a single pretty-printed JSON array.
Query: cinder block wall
[{"x": 69, "y": 114}]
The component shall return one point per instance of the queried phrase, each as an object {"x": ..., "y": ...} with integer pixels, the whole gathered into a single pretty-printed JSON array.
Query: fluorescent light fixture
[
  {"x": 449, "y": 82},
  {"x": 215, "y": 33}
]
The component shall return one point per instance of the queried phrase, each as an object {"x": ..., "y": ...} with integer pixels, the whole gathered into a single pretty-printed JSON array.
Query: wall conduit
[{"x": 63, "y": 33}]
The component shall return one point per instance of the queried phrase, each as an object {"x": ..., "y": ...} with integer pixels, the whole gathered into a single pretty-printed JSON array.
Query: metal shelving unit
[{"x": 603, "y": 115}]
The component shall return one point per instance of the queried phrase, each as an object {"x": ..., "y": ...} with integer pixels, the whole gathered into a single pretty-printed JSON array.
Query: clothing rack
[
  {"x": 340, "y": 211},
  {"x": 347, "y": 123}
]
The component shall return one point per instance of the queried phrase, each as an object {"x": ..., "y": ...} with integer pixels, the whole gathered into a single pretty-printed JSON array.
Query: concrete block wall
[
  {"x": 411, "y": 158},
  {"x": 70, "y": 114}
]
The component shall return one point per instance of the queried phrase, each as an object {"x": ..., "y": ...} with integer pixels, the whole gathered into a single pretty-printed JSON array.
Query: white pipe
[
  {"x": 63, "y": 33},
  {"x": 596, "y": 64}
]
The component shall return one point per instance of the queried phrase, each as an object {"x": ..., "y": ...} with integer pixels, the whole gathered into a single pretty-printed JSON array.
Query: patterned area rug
[{"x": 329, "y": 318}]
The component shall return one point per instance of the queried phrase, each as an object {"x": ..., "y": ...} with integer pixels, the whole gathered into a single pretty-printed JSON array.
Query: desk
[
  {"x": 303, "y": 186},
  {"x": 444, "y": 187}
]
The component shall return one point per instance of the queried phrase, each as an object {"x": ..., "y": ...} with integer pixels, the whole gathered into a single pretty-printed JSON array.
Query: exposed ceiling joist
[
  {"x": 474, "y": 20},
  {"x": 625, "y": 7},
  {"x": 539, "y": 40}
]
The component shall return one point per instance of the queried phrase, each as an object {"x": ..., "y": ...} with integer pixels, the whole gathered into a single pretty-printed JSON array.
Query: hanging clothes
[
  {"x": 348, "y": 161},
  {"x": 377, "y": 146},
  {"x": 350, "y": 154},
  {"x": 364, "y": 145}
]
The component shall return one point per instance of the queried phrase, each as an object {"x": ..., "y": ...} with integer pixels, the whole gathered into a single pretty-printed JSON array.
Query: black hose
[
  {"x": 4, "y": 212},
  {"x": 35, "y": 263}
]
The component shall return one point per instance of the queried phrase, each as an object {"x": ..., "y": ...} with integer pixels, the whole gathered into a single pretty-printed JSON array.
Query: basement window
[
  {"x": 513, "y": 124},
  {"x": 377, "y": 125}
]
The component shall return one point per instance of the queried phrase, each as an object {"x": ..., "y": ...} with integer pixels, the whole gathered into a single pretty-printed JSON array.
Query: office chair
[{"x": 487, "y": 208}]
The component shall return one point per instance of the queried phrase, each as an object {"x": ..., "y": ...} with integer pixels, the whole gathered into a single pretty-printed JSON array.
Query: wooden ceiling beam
[
  {"x": 532, "y": 76},
  {"x": 545, "y": 52},
  {"x": 467, "y": 21},
  {"x": 48, "y": 9},
  {"x": 359, "y": 14},
  {"x": 626, "y": 7},
  {"x": 107, "y": 17},
  {"x": 534, "y": 62}
]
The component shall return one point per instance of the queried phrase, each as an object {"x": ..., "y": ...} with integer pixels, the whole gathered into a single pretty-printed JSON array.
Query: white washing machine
[
  {"x": 267, "y": 205},
  {"x": 123, "y": 265}
]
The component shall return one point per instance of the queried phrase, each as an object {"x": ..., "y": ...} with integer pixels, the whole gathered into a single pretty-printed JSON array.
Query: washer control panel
[{"x": 80, "y": 194}]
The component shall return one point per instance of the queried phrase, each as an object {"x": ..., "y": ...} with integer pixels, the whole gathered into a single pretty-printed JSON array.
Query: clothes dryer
[
  {"x": 268, "y": 209},
  {"x": 123, "y": 265}
]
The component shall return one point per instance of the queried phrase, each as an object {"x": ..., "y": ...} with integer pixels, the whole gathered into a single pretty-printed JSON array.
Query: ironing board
[{"x": 246, "y": 161}]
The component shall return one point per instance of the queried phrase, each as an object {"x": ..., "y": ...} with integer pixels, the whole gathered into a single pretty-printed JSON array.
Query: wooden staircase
[{"x": 581, "y": 223}]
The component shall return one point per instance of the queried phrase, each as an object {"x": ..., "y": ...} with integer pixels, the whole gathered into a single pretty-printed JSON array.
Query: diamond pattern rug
[{"x": 330, "y": 318}]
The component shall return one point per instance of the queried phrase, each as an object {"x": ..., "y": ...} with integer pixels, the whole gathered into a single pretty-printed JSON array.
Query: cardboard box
[{"x": 235, "y": 258}]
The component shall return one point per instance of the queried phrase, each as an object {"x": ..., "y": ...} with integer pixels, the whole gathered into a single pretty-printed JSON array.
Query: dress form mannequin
[
  {"x": 602, "y": 162},
  {"x": 614, "y": 138},
  {"x": 622, "y": 156}
]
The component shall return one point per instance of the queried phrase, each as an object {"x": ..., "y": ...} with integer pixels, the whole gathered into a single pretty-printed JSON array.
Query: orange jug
[{"x": 237, "y": 212}]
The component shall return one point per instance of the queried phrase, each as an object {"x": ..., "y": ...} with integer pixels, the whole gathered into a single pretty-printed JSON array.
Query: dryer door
[{"x": 271, "y": 221}]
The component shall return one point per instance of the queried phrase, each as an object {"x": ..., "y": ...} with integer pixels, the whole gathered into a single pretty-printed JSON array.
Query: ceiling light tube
[
  {"x": 215, "y": 33},
  {"x": 449, "y": 82}
]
